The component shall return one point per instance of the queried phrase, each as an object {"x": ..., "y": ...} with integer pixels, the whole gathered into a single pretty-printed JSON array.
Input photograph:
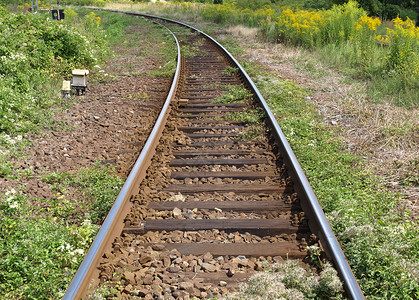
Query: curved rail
[
  {"x": 121, "y": 205},
  {"x": 321, "y": 225},
  {"x": 318, "y": 223}
]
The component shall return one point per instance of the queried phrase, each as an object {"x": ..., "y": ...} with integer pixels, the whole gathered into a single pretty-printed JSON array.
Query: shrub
[
  {"x": 34, "y": 50},
  {"x": 403, "y": 57},
  {"x": 289, "y": 280},
  {"x": 252, "y": 4},
  {"x": 36, "y": 255},
  {"x": 390, "y": 11}
]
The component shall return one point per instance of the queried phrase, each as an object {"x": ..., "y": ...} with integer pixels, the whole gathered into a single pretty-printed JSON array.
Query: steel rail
[
  {"x": 78, "y": 286},
  {"x": 318, "y": 222},
  {"x": 320, "y": 225}
]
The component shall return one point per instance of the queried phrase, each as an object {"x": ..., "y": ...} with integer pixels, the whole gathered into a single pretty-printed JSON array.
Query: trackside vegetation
[
  {"x": 43, "y": 241},
  {"x": 378, "y": 235},
  {"x": 34, "y": 51},
  {"x": 40, "y": 250},
  {"x": 385, "y": 54}
]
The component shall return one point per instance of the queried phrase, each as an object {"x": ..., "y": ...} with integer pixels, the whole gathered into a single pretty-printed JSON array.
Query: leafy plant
[
  {"x": 342, "y": 34},
  {"x": 289, "y": 280},
  {"x": 34, "y": 50},
  {"x": 234, "y": 94},
  {"x": 378, "y": 237},
  {"x": 230, "y": 71},
  {"x": 37, "y": 255}
]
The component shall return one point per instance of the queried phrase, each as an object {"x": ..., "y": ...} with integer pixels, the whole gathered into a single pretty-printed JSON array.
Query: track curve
[{"x": 247, "y": 203}]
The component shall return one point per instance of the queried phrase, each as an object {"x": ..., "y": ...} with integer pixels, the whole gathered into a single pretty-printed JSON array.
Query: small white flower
[
  {"x": 87, "y": 222},
  {"x": 11, "y": 192},
  {"x": 79, "y": 251},
  {"x": 14, "y": 205}
]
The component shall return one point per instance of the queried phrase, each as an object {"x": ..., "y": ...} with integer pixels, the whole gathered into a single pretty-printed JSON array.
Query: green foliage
[
  {"x": 386, "y": 9},
  {"x": 41, "y": 248},
  {"x": 100, "y": 185},
  {"x": 99, "y": 3},
  {"x": 252, "y": 4},
  {"x": 38, "y": 256},
  {"x": 248, "y": 116},
  {"x": 343, "y": 34},
  {"x": 234, "y": 94},
  {"x": 376, "y": 233},
  {"x": 390, "y": 11},
  {"x": 35, "y": 50},
  {"x": 289, "y": 280},
  {"x": 97, "y": 183},
  {"x": 253, "y": 118},
  {"x": 167, "y": 52},
  {"x": 230, "y": 71}
]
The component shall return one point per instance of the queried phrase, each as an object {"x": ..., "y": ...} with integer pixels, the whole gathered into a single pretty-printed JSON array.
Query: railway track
[{"x": 215, "y": 193}]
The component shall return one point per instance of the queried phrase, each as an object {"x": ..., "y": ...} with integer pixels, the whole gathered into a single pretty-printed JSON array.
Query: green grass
[
  {"x": 43, "y": 240},
  {"x": 377, "y": 235},
  {"x": 167, "y": 52},
  {"x": 391, "y": 71},
  {"x": 234, "y": 94},
  {"x": 97, "y": 183}
]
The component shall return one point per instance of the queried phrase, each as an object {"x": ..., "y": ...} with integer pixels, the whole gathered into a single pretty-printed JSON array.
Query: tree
[{"x": 252, "y": 4}]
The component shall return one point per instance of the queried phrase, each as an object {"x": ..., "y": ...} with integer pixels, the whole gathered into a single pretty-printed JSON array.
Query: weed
[
  {"x": 35, "y": 49},
  {"x": 38, "y": 254},
  {"x": 230, "y": 71},
  {"x": 166, "y": 70},
  {"x": 289, "y": 280},
  {"x": 252, "y": 117},
  {"x": 234, "y": 94},
  {"x": 378, "y": 240},
  {"x": 102, "y": 291},
  {"x": 254, "y": 132},
  {"x": 247, "y": 116},
  {"x": 189, "y": 50},
  {"x": 356, "y": 40},
  {"x": 98, "y": 184}
]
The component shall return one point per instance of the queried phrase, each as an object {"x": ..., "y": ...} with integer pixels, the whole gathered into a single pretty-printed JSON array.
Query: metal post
[{"x": 35, "y": 7}]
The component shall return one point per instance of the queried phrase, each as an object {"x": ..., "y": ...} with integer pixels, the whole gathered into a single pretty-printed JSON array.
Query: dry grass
[
  {"x": 239, "y": 30},
  {"x": 387, "y": 136}
]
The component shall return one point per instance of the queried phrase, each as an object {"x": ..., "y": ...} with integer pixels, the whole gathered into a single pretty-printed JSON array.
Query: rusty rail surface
[{"x": 113, "y": 225}]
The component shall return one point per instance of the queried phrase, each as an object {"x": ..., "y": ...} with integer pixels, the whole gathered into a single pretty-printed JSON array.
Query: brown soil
[{"x": 109, "y": 124}]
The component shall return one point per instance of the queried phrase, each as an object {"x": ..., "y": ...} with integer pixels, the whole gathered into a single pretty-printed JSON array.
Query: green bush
[
  {"x": 378, "y": 236},
  {"x": 99, "y": 3},
  {"x": 37, "y": 255},
  {"x": 33, "y": 51},
  {"x": 390, "y": 11},
  {"x": 252, "y": 4}
]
